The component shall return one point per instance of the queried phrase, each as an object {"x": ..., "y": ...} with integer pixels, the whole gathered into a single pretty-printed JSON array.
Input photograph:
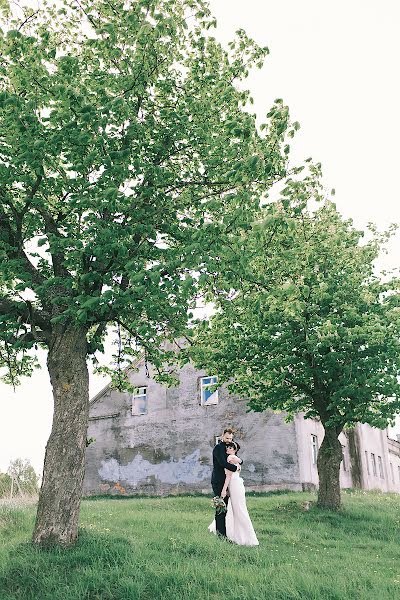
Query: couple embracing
[{"x": 234, "y": 523}]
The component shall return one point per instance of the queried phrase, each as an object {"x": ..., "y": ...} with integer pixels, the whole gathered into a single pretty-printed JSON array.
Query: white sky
[{"x": 336, "y": 65}]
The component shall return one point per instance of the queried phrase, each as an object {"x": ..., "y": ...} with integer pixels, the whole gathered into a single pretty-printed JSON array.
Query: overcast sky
[{"x": 336, "y": 65}]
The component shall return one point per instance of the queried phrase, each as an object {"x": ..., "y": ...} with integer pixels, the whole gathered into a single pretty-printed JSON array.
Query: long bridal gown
[{"x": 239, "y": 527}]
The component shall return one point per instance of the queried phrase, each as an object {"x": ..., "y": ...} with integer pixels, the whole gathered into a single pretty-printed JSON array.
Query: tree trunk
[
  {"x": 64, "y": 464},
  {"x": 328, "y": 463}
]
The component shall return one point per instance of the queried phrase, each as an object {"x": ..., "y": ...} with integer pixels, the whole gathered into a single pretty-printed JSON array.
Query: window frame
[
  {"x": 135, "y": 412},
  {"x": 314, "y": 448},
  {"x": 374, "y": 471},
  {"x": 344, "y": 458},
  {"x": 204, "y": 387},
  {"x": 380, "y": 465}
]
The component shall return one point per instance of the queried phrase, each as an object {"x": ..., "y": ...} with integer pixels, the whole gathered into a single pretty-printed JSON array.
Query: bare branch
[{"x": 28, "y": 19}]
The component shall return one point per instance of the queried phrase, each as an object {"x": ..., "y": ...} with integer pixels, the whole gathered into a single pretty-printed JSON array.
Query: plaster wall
[
  {"x": 169, "y": 450},
  {"x": 376, "y": 441},
  {"x": 394, "y": 470},
  {"x": 305, "y": 428}
]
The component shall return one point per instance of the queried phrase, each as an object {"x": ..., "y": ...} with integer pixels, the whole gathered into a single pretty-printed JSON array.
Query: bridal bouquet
[{"x": 219, "y": 504}]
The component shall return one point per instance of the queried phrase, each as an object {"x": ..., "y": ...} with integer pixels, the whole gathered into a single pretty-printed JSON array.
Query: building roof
[{"x": 105, "y": 389}]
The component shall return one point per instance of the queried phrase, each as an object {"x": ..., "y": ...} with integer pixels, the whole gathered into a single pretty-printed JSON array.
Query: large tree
[
  {"x": 303, "y": 324},
  {"x": 127, "y": 156}
]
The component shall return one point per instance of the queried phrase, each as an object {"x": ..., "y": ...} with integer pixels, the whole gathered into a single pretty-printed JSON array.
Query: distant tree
[
  {"x": 127, "y": 159},
  {"x": 303, "y": 324},
  {"x": 25, "y": 478},
  {"x": 5, "y": 485}
]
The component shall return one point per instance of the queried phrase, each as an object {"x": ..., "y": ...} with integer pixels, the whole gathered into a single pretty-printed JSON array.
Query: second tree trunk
[{"x": 329, "y": 459}]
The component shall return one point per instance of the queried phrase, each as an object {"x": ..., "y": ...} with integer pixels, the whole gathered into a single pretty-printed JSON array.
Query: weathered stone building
[{"x": 160, "y": 440}]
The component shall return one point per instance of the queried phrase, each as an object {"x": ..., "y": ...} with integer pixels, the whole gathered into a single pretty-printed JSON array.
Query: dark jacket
[{"x": 220, "y": 463}]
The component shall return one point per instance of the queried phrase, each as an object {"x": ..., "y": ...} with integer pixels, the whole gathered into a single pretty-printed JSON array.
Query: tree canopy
[
  {"x": 20, "y": 478},
  {"x": 126, "y": 156},
  {"x": 303, "y": 324},
  {"x": 307, "y": 325}
]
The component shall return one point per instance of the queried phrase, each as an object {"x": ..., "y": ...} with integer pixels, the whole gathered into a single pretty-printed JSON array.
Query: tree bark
[
  {"x": 64, "y": 466},
  {"x": 328, "y": 463}
]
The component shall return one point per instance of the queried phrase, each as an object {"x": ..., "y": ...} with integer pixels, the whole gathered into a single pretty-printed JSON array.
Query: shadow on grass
[
  {"x": 91, "y": 565},
  {"x": 354, "y": 521},
  {"x": 185, "y": 495},
  {"x": 350, "y": 520}
]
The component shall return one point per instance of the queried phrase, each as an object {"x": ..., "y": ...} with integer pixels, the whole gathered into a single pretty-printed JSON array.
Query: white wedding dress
[{"x": 239, "y": 527}]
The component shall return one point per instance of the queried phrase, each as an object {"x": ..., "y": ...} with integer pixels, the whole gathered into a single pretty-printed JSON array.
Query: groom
[{"x": 218, "y": 475}]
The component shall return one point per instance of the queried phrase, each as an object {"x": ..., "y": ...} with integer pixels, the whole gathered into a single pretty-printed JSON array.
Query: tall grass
[{"x": 148, "y": 548}]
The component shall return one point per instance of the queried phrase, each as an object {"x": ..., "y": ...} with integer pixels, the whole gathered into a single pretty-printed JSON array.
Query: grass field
[{"x": 159, "y": 548}]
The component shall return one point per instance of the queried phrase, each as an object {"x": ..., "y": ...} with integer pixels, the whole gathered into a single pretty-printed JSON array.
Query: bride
[{"x": 239, "y": 528}]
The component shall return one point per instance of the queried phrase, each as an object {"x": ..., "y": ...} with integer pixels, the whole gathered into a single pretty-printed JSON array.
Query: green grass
[{"x": 159, "y": 548}]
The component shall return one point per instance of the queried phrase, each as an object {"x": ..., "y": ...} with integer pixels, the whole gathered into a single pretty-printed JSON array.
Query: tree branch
[
  {"x": 28, "y": 19},
  {"x": 27, "y": 312},
  {"x": 58, "y": 258},
  {"x": 15, "y": 248}
]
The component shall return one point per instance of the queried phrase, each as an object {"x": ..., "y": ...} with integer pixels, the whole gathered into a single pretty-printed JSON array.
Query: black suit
[{"x": 218, "y": 479}]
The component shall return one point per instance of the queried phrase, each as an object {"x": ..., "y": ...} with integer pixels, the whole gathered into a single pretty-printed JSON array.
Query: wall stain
[
  {"x": 184, "y": 470},
  {"x": 119, "y": 488}
]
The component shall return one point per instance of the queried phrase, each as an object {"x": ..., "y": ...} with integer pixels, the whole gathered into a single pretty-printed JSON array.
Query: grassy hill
[{"x": 159, "y": 548}]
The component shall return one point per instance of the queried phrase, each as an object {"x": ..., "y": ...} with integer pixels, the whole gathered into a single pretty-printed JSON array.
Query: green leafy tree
[
  {"x": 20, "y": 478},
  {"x": 5, "y": 485},
  {"x": 128, "y": 156},
  {"x": 302, "y": 324},
  {"x": 24, "y": 475}
]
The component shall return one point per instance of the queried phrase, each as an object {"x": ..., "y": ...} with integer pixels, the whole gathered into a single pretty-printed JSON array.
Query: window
[
  {"x": 373, "y": 463},
  {"x": 380, "y": 467},
  {"x": 391, "y": 469},
  {"x": 344, "y": 458},
  {"x": 139, "y": 401},
  {"x": 207, "y": 395},
  {"x": 314, "y": 448},
  {"x": 366, "y": 461}
]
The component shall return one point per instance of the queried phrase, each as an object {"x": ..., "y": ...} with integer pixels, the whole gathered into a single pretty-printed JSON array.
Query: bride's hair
[{"x": 233, "y": 445}]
